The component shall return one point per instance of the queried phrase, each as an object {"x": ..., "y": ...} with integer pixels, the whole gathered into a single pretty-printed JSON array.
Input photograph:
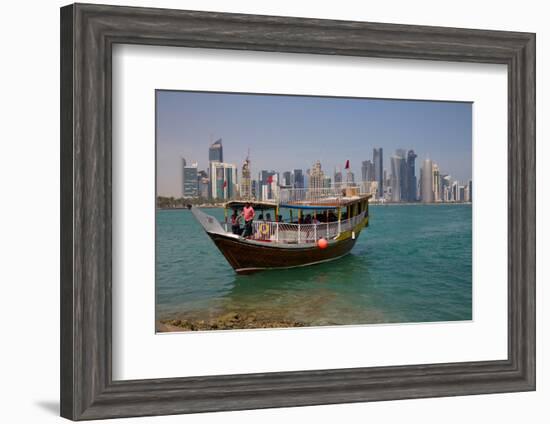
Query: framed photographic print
[{"x": 269, "y": 211}]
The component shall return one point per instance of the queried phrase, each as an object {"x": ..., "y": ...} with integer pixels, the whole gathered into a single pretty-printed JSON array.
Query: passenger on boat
[
  {"x": 236, "y": 223},
  {"x": 261, "y": 217},
  {"x": 308, "y": 219},
  {"x": 248, "y": 214},
  {"x": 268, "y": 216},
  {"x": 315, "y": 220}
]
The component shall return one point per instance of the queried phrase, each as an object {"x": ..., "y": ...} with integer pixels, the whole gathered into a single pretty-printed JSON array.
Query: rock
[
  {"x": 233, "y": 320},
  {"x": 231, "y": 316}
]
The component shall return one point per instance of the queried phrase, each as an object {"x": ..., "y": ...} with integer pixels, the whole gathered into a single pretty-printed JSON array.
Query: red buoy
[{"x": 322, "y": 243}]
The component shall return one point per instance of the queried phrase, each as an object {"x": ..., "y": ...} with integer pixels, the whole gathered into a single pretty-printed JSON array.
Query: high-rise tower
[
  {"x": 215, "y": 152},
  {"x": 427, "y": 181},
  {"x": 436, "y": 184},
  {"x": 190, "y": 180},
  {"x": 378, "y": 161},
  {"x": 396, "y": 177},
  {"x": 316, "y": 176},
  {"x": 411, "y": 177},
  {"x": 246, "y": 181}
]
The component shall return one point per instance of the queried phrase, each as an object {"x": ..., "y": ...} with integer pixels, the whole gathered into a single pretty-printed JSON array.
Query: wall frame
[{"x": 88, "y": 33}]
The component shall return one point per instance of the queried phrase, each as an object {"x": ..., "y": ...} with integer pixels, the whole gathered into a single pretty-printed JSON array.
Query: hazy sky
[{"x": 288, "y": 132}]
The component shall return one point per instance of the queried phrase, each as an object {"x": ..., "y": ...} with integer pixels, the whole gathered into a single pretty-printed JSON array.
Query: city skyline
[
  {"x": 442, "y": 126},
  {"x": 221, "y": 182}
]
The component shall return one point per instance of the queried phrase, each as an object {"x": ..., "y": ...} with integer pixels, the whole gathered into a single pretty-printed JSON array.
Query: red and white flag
[
  {"x": 224, "y": 184},
  {"x": 270, "y": 179}
]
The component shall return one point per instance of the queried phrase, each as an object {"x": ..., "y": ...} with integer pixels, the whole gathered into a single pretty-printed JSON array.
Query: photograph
[{"x": 280, "y": 211}]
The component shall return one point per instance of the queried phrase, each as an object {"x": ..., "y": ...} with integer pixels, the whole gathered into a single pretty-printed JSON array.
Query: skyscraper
[
  {"x": 411, "y": 176},
  {"x": 215, "y": 155},
  {"x": 436, "y": 184},
  {"x": 445, "y": 187},
  {"x": 215, "y": 152},
  {"x": 230, "y": 181},
  {"x": 263, "y": 185},
  {"x": 367, "y": 171},
  {"x": 461, "y": 193},
  {"x": 378, "y": 161},
  {"x": 402, "y": 178},
  {"x": 246, "y": 182},
  {"x": 396, "y": 177},
  {"x": 316, "y": 176},
  {"x": 337, "y": 177},
  {"x": 400, "y": 153},
  {"x": 298, "y": 178},
  {"x": 270, "y": 190},
  {"x": 454, "y": 191},
  {"x": 286, "y": 179},
  {"x": 183, "y": 165},
  {"x": 427, "y": 182},
  {"x": 223, "y": 180},
  {"x": 190, "y": 180},
  {"x": 255, "y": 191},
  {"x": 364, "y": 166},
  {"x": 203, "y": 184}
]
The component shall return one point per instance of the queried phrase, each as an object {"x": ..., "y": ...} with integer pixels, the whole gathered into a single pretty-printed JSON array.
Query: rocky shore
[{"x": 228, "y": 321}]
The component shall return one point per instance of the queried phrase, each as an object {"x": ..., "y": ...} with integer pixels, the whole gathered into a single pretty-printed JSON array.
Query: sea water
[{"x": 412, "y": 264}]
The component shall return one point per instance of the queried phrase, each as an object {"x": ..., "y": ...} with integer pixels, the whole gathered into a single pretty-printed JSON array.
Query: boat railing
[{"x": 286, "y": 232}]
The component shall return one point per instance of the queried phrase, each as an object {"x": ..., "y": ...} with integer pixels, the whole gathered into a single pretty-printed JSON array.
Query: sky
[{"x": 292, "y": 132}]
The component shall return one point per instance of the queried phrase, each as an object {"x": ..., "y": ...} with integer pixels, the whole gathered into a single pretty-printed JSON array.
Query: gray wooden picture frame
[{"x": 88, "y": 33}]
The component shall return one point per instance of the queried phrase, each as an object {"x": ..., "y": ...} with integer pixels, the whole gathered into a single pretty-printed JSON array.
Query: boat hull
[{"x": 246, "y": 257}]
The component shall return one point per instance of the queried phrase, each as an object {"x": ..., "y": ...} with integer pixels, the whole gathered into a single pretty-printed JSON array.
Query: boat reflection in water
[{"x": 324, "y": 225}]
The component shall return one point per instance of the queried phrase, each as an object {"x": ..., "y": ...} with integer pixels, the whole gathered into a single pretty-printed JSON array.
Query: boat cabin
[{"x": 302, "y": 216}]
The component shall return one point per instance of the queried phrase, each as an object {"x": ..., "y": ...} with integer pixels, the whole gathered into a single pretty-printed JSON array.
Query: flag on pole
[
  {"x": 347, "y": 164},
  {"x": 224, "y": 184}
]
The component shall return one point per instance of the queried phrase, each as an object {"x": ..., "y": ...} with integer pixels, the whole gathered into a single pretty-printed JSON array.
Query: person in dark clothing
[{"x": 236, "y": 223}]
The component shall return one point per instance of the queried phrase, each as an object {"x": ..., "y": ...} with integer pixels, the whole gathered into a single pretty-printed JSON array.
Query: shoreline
[
  {"x": 227, "y": 321},
  {"x": 221, "y": 205},
  {"x": 418, "y": 203}
]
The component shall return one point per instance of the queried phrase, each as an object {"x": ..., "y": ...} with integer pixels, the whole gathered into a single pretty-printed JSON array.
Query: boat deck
[{"x": 293, "y": 233}]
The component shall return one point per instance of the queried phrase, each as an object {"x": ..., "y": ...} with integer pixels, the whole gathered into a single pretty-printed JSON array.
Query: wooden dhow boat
[{"x": 321, "y": 225}]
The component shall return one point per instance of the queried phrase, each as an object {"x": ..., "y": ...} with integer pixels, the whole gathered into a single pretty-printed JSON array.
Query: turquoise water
[{"x": 412, "y": 264}]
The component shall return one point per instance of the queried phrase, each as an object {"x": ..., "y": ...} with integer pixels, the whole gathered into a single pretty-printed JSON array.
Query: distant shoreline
[
  {"x": 418, "y": 203},
  {"x": 221, "y": 205},
  {"x": 216, "y": 206}
]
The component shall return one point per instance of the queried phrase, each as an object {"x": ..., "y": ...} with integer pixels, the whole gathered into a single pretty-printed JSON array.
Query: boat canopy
[
  {"x": 309, "y": 207},
  {"x": 310, "y": 199},
  {"x": 256, "y": 204}
]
